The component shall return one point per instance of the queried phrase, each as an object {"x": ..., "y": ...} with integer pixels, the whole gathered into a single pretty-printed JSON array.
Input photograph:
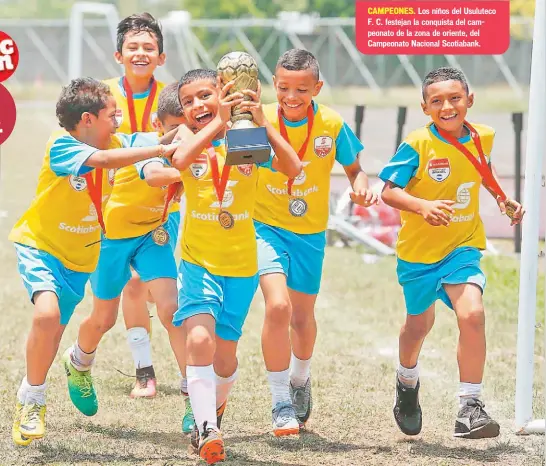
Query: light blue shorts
[
  {"x": 150, "y": 260},
  {"x": 227, "y": 299},
  {"x": 41, "y": 271},
  {"x": 423, "y": 283},
  {"x": 299, "y": 257}
]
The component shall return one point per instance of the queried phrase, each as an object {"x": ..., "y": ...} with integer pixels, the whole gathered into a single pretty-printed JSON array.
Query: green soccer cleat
[
  {"x": 80, "y": 387},
  {"x": 188, "y": 421}
]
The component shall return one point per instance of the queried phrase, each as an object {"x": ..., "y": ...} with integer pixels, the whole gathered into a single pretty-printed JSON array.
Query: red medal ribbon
[
  {"x": 171, "y": 191},
  {"x": 219, "y": 183},
  {"x": 95, "y": 193},
  {"x": 131, "y": 105},
  {"x": 482, "y": 166},
  {"x": 284, "y": 134}
]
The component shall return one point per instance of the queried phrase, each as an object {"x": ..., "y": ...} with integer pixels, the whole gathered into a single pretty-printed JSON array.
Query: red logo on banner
[
  {"x": 433, "y": 27},
  {"x": 9, "y": 56},
  {"x": 7, "y": 115}
]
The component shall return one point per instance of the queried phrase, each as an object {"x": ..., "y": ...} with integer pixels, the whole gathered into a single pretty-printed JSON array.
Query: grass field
[{"x": 359, "y": 311}]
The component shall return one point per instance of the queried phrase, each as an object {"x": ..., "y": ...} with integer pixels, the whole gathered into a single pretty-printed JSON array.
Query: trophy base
[{"x": 247, "y": 145}]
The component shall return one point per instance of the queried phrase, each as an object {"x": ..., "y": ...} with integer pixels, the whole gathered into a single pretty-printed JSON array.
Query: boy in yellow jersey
[
  {"x": 140, "y": 52},
  {"x": 140, "y": 235},
  {"x": 56, "y": 239},
  {"x": 432, "y": 181},
  {"x": 218, "y": 271},
  {"x": 291, "y": 218}
]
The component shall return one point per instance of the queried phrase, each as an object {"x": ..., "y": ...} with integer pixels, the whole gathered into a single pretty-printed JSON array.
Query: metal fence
[{"x": 190, "y": 43}]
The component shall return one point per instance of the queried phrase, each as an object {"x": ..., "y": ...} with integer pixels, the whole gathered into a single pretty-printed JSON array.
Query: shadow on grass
[
  {"x": 308, "y": 441},
  {"x": 437, "y": 450},
  {"x": 166, "y": 439}
]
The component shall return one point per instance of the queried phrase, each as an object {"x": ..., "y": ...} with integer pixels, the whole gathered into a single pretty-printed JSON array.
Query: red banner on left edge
[{"x": 8, "y": 114}]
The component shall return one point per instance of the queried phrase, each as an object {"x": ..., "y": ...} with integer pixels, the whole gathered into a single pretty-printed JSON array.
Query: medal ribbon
[
  {"x": 219, "y": 183},
  {"x": 171, "y": 191},
  {"x": 284, "y": 134},
  {"x": 131, "y": 105},
  {"x": 482, "y": 167},
  {"x": 95, "y": 193}
]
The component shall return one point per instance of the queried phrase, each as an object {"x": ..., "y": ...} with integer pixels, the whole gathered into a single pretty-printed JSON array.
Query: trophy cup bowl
[{"x": 245, "y": 142}]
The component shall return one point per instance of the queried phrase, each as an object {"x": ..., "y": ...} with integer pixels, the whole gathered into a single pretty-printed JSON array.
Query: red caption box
[{"x": 433, "y": 27}]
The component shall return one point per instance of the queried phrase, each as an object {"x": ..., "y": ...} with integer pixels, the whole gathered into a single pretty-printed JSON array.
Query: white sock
[
  {"x": 36, "y": 394},
  {"x": 22, "y": 392},
  {"x": 183, "y": 385},
  {"x": 467, "y": 391},
  {"x": 139, "y": 342},
  {"x": 223, "y": 388},
  {"x": 279, "y": 385},
  {"x": 202, "y": 391},
  {"x": 81, "y": 360},
  {"x": 300, "y": 371},
  {"x": 408, "y": 377}
]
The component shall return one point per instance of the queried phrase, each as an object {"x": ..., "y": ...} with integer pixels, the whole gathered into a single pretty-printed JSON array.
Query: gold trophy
[{"x": 245, "y": 141}]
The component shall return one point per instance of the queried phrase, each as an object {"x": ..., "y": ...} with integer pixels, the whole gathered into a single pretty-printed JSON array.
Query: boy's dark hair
[
  {"x": 196, "y": 75},
  {"x": 142, "y": 22},
  {"x": 299, "y": 60},
  {"x": 79, "y": 96},
  {"x": 168, "y": 102},
  {"x": 445, "y": 73}
]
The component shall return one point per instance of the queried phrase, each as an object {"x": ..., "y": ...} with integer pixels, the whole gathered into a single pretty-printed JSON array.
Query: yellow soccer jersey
[
  {"x": 331, "y": 139},
  {"x": 61, "y": 219},
  {"x": 428, "y": 167},
  {"x": 226, "y": 252},
  {"x": 124, "y": 125},
  {"x": 134, "y": 207}
]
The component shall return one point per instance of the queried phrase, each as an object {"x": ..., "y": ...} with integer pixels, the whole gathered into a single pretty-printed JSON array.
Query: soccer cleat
[
  {"x": 473, "y": 422},
  {"x": 188, "y": 420},
  {"x": 302, "y": 401},
  {"x": 407, "y": 411},
  {"x": 285, "y": 421},
  {"x": 146, "y": 383},
  {"x": 80, "y": 387},
  {"x": 211, "y": 445},
  {"x": 32, "y": 424},
  {"x": 16, "y": 435},
  {"x": 194, "y": 433}
]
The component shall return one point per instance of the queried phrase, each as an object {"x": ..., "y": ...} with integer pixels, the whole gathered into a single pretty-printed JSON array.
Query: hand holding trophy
[{"x": 245, "y": 142}]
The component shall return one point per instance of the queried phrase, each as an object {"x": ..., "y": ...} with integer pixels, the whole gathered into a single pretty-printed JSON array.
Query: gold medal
[
  {"x": 226, "y": 219},
  {"x": 297, "y": 207},
  {"x": 510, "y": 209},
  {"x": 160, "y": 236}
]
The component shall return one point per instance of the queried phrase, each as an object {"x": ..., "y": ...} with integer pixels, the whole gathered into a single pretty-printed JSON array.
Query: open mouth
[
  {"x": 292, "y": 106},
  {"x": 203, "y": 118},
  {"x": 140, "y": 63},
  {"x": 451, "y": 117}
]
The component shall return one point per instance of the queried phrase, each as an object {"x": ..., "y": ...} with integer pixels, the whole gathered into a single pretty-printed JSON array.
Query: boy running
[
  {"x": 57, "y": 238},
  {"x": 433, "y": 182},
  {"x": 291, "y": 218},
  {"x": 218, "y": 271}
]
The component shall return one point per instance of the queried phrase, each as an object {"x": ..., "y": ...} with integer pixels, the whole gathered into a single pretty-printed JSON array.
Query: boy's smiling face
[
  {"x": 140, "y": 54},
  {"x": 101, "y": 127},
  {"x": 446, "y": 103},
  {"x": 295, "y": 91},
  {"x": 199, "y": 100}
]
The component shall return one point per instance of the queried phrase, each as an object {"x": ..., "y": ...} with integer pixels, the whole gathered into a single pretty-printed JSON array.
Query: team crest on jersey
[
  {"x": 154, "y": 120},
  {"x": 323, "y": 146},
  {"x": 119, "y": 117},
  {"x": 199, "y": 167},
  {"x": 111, "y": 176},
  {"x": 78, "y": 183},
  {"x": 439, "y": 169},
  {"x": 245, "y": 169}
]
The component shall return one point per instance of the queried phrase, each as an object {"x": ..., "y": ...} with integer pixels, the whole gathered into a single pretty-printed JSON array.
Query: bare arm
[
  {"x": 157, "y": 175},
  {"x": 286, "y": 159},
  {"x": 362, "y": 194},
  {"x": 434, "y": 212},
  {"x": 117, "y": 158}
]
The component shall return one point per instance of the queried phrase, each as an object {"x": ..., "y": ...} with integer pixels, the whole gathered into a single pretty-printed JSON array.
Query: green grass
[{"x": 359, "y": 312}]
